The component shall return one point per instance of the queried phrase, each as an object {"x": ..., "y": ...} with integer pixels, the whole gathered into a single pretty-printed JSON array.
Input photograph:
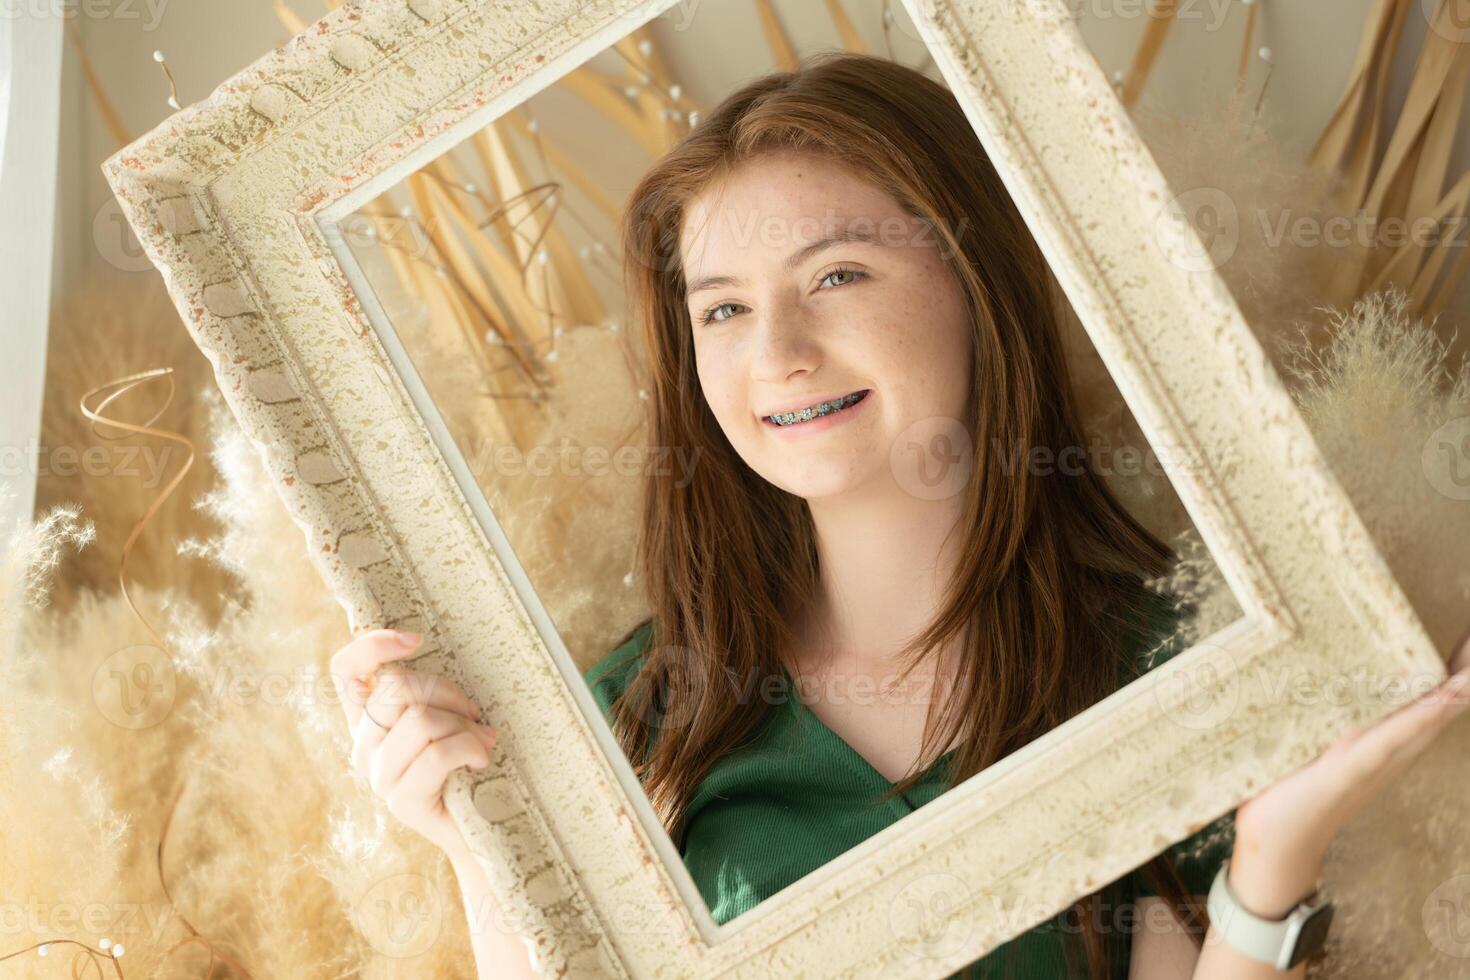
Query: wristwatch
[{"x": 1284, "y": 942}]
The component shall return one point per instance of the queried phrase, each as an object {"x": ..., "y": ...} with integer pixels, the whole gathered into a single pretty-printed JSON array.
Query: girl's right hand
[{"x": 410, "y": 730}]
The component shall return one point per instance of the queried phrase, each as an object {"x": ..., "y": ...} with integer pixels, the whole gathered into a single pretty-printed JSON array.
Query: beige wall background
[{"x": 1312, "y": 45}]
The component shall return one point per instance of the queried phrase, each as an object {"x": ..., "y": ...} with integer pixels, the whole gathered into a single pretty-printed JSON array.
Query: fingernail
[
  {"x": 409, "y": 639},
  {"x": 488, "y": 733},
  {"x": 476, "y": 707}
]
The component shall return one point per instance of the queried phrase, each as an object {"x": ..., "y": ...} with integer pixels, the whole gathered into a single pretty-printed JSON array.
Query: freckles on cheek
[
  {"x": 718, "y": 398},
  {"x": 713, "y": 368},
  {"x": 709, "y": 390}
]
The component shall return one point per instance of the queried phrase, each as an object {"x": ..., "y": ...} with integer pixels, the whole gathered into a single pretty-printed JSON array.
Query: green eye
[
  {"x": 708, "y": 316},
  {"x": 842, "y": 272}
]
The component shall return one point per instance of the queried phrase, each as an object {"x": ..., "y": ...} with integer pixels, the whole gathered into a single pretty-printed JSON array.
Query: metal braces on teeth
[{"x": 813, "y": 411}]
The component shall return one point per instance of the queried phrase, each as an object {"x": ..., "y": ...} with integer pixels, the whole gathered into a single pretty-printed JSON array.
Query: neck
[{"x": 884, "y": 569}]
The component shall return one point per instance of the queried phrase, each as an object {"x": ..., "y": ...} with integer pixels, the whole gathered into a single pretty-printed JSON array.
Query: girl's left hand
[{"x": 1291, "y": 822}]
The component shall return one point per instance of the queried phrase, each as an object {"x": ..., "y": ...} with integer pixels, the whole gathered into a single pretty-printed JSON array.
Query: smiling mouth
[{"x": 784, "y": 419}]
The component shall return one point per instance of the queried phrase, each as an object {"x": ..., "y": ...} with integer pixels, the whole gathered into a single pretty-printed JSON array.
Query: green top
[{"x": 798, "y": 795}]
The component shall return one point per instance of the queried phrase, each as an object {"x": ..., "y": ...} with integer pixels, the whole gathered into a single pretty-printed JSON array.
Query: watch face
[{"x": 1312, "y": 936}]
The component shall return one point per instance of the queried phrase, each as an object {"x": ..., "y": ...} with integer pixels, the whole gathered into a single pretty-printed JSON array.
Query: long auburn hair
[{"x": 1049, "y": 589}]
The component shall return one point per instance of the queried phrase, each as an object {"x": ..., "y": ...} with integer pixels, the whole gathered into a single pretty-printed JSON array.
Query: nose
[{"x": 786, "y": 342}]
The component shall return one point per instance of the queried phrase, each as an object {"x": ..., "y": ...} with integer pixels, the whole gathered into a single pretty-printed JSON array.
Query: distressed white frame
[{"x": 236, "y": 201}]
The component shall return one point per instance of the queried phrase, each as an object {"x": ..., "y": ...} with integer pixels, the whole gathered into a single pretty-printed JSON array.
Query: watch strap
[{"x": 1282, "y": 943}]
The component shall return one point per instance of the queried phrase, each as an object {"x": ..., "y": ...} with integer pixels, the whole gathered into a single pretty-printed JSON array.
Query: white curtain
[
  {"x": 6, "y": 67},
  {"x": 30, "y": 101}
]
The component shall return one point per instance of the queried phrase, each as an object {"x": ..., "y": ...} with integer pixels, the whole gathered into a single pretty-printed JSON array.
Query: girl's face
[{"x": 807, "y": 283}]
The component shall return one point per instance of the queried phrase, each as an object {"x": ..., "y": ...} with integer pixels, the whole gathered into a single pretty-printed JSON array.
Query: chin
[{"x": 814, "y": 482}]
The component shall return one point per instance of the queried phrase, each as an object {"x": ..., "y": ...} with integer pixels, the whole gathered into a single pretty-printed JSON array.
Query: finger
[
  {"x": 1416, "y": 745},
  {"x": 1374, "y": 747},
  {"x": 395, "y": 689},
  {"x": 1400, "y": 759},
  {"x": 420, "y": 725},
  {"x": 358, "y": 660},
  {"x": 366, "y": 737},
  {"x": 1458, "y": 682},
  {"x": 367, "y": 651},
  {"x": 1450, "y": 693},
  {"x": 1370, "y": 747},
  {"x": 1460, "y": 656},
  {"x": 422, "y": 784}
]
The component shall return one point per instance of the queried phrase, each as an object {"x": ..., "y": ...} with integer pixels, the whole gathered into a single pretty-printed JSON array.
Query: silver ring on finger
[
  {"x": 370, "y": 684},
  {"x": 369, "y": 716}
]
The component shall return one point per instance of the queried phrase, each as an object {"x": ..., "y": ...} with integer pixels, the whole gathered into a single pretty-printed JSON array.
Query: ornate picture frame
[{"x": 237, "y": 201}]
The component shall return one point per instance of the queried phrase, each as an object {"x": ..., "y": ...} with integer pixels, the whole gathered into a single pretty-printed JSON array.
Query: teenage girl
[{"x": 846, "y": 318}]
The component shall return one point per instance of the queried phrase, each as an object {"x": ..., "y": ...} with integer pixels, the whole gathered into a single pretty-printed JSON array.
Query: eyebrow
[{"x": 793, "y": 260}]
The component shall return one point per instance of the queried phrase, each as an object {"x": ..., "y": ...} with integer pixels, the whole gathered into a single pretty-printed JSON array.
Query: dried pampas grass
[
  {"x": 1388, "y": 408},
  {"x": 1390, "y": 411},
  {"x": 109, "y": 327},
  {"x": 277, "y": 853}
]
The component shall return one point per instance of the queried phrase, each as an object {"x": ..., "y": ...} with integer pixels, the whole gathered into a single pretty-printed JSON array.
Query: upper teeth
[{"x": 812, "y": 411}]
